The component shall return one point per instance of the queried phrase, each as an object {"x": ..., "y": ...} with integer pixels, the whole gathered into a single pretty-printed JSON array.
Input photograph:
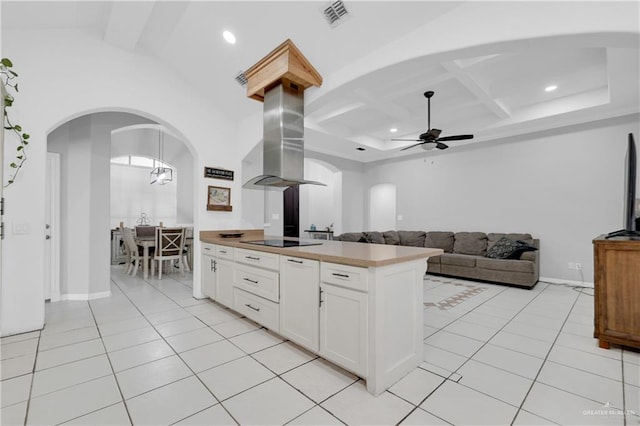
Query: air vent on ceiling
[
  {"x": 335, "y": 13},
  {"x": 241, "y": 79}
]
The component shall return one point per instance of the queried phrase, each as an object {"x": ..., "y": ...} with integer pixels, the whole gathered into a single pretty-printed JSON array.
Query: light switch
[
  {"x": 20, "y": 228},
  {"x": 400, "y": 217},
  {"x": 275, "y": 216}
]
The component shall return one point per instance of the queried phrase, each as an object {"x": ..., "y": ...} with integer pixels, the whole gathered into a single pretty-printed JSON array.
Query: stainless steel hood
[{"x": 283, "y": 139}]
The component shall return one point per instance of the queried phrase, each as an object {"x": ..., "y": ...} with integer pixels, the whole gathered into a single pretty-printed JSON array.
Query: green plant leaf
[
  {"x": 6, "y": 62},
  {"x": 10, "y": 181},
  {"x": 25, "y": 143},
  {"x": 13, "y": 165},
  {"x": 25, "y": 136},
  {"x": 20, "y": 157},
  {"x": 18, "y": 127},
  {"x": 19, "y": 148}
]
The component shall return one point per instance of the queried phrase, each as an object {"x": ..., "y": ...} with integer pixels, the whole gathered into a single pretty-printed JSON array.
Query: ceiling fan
[{"x": 431, "y": 138}]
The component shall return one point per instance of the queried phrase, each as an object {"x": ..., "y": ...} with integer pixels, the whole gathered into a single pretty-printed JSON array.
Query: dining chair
[
  {"x": 125, "y": 249},
  {"x": 134, "y": 252},
  {"x": 169, "y": 247}
]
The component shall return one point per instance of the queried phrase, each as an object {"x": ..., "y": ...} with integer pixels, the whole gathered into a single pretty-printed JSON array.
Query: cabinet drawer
[
  {"x": 224, "y": 252},
  {"x": 344, "y": 276},
  {"x": 258, "y": 281},
  {"x": 208, "y": 249},
  {"x": 258, "y": 258},
  {"x": 256, "y": 308}
]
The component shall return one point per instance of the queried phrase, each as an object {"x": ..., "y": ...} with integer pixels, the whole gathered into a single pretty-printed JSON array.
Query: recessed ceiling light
[
  {"x": 359, "y": 149},
  {"x": 393, "y": 130},
  {"x": 550, "y": 88},
  {"x": 229, "y": 37}
]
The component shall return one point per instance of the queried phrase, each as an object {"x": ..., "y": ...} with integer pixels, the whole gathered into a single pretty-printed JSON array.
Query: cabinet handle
[
  {"x": 223, "y": 251},
  {"x": 340, "y": 275},
  {"x": 251, "y": 281},
  {"x": 207, "y": 248},
  {"x": 251, "y": 307},
  {"x": 252, "y": 258},
  {"x": 295, "y": 261},
  {"x": 214, "y": 265},
  {"x": 320, "y": 298}
]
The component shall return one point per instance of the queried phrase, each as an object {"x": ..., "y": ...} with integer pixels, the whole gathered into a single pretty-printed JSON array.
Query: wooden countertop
[{"x": 345, "y": 253}]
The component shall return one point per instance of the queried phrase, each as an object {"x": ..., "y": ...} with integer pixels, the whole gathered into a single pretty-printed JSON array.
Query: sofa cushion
[
  {"x": 375, "y": 237},
  {"x": 363, "y": 239},
  {"x": 435, "y": 260},
  {"x": 474, "y": 243},
  {"x": 412, "y": 238},
  {"x": 441, "y": 240},
  {"x": 458, "y": 260},
  {"x": 509, "y": 265},
  {"x": 391, "y": 238},
  {"x": 349, "y": 236}
]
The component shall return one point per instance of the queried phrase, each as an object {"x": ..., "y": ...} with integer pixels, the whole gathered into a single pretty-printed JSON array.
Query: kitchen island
[{"x": 356, "y": 305}]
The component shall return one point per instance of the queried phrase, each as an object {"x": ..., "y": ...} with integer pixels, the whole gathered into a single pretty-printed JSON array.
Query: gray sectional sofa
[{"x": 465, "y": 254}]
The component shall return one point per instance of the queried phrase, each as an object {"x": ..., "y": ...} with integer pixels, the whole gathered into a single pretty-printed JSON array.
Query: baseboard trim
[
  {"x": 85, "y": 296},
  {"x": 567, "y": 282}
]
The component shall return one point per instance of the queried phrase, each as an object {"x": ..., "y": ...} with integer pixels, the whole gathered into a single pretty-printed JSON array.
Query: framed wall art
[{"x": 219, "y": 198}]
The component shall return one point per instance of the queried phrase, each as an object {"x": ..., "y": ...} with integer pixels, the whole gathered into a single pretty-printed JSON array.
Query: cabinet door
[
  {"x": 208, "y": 277},
  {"x": 224, "y": 282},
  {"x": 299, "y": 300},
  {"x": 344, "y": 327}
]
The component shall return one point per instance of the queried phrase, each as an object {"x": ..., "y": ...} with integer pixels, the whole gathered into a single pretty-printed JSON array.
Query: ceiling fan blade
[
  {"x": 441, "y": 145},
  {"x": 456, "y": 138},
  {"x": 411, "y": 146},
  {"x": 407, "y": 140}
]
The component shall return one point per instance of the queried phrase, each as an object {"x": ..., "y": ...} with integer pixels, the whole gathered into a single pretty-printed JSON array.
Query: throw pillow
[
  {"x": 522, "y": 246},
  {"x": 502, "y": 249},
  {"x": 363, "y": 239}
]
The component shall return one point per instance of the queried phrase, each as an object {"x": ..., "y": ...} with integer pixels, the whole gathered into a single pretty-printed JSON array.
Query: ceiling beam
[
  {"x": 127, "y": 22},
  {"x": 495, "y": 106}
]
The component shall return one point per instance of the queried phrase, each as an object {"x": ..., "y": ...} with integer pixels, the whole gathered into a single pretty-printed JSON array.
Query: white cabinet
[
  {"x": 208, "y": 276},
  {"x": 299, "y": 301},
  {"x": 343, "y": 327},
  {"x": 224, "y": 281},
  {"x": 217, "y": 273}
]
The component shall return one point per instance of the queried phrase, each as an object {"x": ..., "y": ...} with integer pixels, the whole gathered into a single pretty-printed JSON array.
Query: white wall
[
  {"x": 91, "y": 76},
  {"x": 320, "y": 205},
  {"x": 565, "y": 188},
  {"x": 84, "y": 148},
  {"x": 143, "y": 140},
  {"x": 382, "y": 207},
  {"x": 132, "y": 194}
]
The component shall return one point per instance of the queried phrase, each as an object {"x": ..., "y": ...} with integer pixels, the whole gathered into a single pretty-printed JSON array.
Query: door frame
[{"x": 53, "y": 220}]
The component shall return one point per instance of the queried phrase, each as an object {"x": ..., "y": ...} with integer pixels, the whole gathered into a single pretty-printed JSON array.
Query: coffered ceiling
[{"x": 493, "y": 95}]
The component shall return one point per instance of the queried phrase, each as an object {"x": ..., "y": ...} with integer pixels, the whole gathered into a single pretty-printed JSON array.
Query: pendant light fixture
[{"x": 161, "y": 175}]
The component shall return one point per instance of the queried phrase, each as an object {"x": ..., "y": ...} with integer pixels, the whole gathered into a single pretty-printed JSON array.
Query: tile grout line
[
  {"x": 535, "y": 380},
  {"x": 33, "y": 375}
]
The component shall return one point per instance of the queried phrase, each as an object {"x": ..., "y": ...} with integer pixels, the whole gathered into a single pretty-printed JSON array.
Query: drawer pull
[
  {"x": 223, "y": 251},
  {"x": 295, "y": 261},
  {"x": 207, "y": 248},
  {"x": 335, "y": 274},
  {"x": 252, "y": 257},
  {"x": 251, "y": 281},
  {"x": 251, "y": 307}
]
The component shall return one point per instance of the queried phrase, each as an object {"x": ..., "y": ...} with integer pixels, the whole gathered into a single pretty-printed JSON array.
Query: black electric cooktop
[{"x": 282, "y": 243}]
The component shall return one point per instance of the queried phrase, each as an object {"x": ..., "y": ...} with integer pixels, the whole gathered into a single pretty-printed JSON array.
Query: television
[{"x": 629, "y": 195}]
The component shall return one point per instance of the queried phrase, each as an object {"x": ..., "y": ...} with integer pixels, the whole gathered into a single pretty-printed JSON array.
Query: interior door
[
  {"x": 291, "y": 209},
  {"x": 52, "y": 229}
]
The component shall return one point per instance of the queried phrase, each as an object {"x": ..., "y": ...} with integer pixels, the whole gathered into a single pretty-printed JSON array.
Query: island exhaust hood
[{"x": 279, "y": 80}]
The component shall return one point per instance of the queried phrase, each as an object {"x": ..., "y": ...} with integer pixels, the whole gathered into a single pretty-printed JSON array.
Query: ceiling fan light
[
  {"x": 393, "y": 130},
  {"x": 428, "y": 146},
  {"x": 550, "y": 88}
]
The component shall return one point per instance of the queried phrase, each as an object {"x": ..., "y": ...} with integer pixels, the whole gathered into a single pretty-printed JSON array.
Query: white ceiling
[{"x": 490, "y": 96}]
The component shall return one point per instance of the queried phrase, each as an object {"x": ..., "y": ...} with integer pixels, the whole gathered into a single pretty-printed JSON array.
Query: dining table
[{"x": 147, "y": 242}]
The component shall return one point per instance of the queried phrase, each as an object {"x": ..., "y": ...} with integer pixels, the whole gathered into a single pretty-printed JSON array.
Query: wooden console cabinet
[{"x": 617, "y": 291}]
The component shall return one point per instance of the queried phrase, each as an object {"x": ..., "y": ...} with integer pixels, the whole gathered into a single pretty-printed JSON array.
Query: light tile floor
[{"x": 152, "y": 354}]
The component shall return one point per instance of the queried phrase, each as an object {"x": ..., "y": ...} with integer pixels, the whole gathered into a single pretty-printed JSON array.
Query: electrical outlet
[{"x": 572, "y": 265}]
